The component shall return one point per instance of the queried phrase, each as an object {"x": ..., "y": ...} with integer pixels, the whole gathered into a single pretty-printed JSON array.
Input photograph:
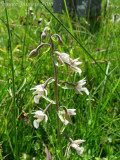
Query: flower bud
[
  {"x": 44, "y": 34},
  {"x": 33, "y": 53},
  {"x": 60, "y": 41}
]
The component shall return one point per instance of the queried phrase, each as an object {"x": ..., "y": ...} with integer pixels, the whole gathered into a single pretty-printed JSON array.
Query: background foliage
[{"x": 98, "y": 116}]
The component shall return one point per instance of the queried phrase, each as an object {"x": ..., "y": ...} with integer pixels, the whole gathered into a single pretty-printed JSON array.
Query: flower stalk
[
  {"x": 48, "y": 106},
  {"x": 56, "y": 99},
  {"x": 63, "y": 114}
]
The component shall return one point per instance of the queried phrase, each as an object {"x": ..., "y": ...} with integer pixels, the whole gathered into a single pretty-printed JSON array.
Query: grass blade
[{"x": 13, "y": 86}]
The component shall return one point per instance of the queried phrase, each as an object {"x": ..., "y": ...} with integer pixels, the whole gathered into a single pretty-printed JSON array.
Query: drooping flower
[
  {"x": 75, "y": 145},
  {"x": 44, "y": 33},
  {"x": 60, "y": 41},
  {"x": 40, "y": 115},
  {"x": 77, "y": 148},
  {"x": 65, "y": 115},
  {"x": 40, "y": 91},
  {"x": 79, "y": 87},
  {"x": 33, "y": 53},
  {"x": 73, "y": 63}
]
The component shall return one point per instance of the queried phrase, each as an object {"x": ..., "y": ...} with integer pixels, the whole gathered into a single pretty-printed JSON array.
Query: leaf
[
  {"x": 21, "y": 87},
  {"x": 48, "y": 153},
  {"x": 3, "y": 50}
]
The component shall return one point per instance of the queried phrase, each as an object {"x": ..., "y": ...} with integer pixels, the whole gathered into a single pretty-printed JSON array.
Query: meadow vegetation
[{"x": 98, "y": 114}]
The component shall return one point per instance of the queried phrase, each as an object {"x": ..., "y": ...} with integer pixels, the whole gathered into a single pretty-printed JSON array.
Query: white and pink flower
[{"x": 40, "y": 115}]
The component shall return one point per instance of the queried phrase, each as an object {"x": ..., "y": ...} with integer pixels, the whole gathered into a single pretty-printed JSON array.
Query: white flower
[
  {"x": 79, "y": 88},
  {"x": 63, "y": 57},
  {"x": 75, "y": 145},
  {"x": 62, "y": 118},
  {"x": 40, "y": 90},
  {"x": 77, "y": 148},
  {"x": 44, "y": 34},
  {"x": 67, "y": 113},
  {"x": 73, "y": 65},
  {"x": 40, "y": 116}
]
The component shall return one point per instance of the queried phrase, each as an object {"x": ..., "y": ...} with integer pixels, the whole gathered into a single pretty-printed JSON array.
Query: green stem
[
  {"x": 13, "y": 86},
  {"x": 24, "y": 41},
  {"x": 57, "y": 102}
]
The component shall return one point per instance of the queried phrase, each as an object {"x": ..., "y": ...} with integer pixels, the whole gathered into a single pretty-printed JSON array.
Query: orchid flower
[
  {"x": 67, "y": 113},
  {"x": 75, "y": 145},
  {"x": 79, "y": 87},
  {"x": 44, "y": 34},
  {"x": 40, "y": 115},
  {"x": 73, "y": 63},
  {"x": 40, "y": 90}
]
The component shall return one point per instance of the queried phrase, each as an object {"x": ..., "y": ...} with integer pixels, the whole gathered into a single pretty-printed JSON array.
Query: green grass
[{"x": 96, "y": 121}]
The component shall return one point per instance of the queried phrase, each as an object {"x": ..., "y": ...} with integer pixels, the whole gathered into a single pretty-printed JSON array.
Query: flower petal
[
  {"x": 78, "y": 141},
  {"x": 36, "y": 123},
  {"x": 46, "y": 118},
  {"x": 71, "y": 111},
  {"x": 37, "y": 112},
  {"x": 67, "y": 117},
  {"x": 80, "y": 150},
  {"x": 85, "y": 90},
  {"x": 46, "y": 92},
  {"x": 63, "y": 119},
  {"x": 36, "y": 99}
]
